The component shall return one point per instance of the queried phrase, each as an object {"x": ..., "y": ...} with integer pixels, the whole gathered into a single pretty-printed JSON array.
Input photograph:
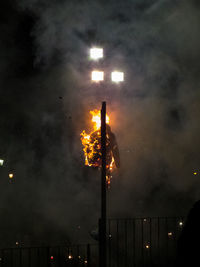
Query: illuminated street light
[
  {"x": 97, "y": 76},
  {"x": 96, "y": 53},
  {"x": 1, "y": 162},
  {"x": 117, "y": 76}
]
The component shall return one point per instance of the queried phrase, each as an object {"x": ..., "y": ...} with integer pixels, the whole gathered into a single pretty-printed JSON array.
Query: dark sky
[{"x": 46, "y": 95}]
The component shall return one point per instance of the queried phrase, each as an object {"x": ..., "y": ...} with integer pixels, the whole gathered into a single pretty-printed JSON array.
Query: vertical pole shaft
[
  {"x": 88, "y": 256},
  {"x": 103, "y": 247}
]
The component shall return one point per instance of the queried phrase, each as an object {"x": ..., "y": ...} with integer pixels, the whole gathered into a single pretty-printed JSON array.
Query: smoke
[{"x": 46, "y": 95}]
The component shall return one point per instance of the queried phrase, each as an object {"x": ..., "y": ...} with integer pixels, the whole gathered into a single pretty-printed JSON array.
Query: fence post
[{"x": 88, "y": 256}]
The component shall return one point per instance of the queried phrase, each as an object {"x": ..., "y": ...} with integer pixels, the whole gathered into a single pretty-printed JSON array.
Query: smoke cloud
[{"x": 46, "y": 95}]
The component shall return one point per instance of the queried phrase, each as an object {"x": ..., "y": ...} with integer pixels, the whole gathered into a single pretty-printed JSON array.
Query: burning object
[{"x": 92, "y": 146}]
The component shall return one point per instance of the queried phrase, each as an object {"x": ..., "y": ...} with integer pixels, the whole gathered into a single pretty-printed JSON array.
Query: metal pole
[{"x": 102, "y": 224}]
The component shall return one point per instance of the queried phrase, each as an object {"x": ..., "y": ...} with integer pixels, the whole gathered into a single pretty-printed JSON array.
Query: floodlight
[
  {"x": 97, "y": 76},
  {"x": 96, "y": 53},
  {"x": 1, "y": 162},
  {"x": 117, "y": 76}
]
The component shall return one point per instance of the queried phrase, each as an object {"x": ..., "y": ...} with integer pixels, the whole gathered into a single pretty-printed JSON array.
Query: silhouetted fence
[
  {"x": 79, "y": 255},
  {"x": 138, "y": 242},
  {"x": 143, "y": 241}
]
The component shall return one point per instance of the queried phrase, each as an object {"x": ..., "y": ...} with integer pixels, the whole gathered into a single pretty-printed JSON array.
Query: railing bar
[
  {"x": 117, "y": 243},
  {"x": 126, "y": 248},
  {"x": 150, "y": 239},
  {"x": 134, "y": 262},
  {"x": 142, "y": 246},
  {"x": 109, "y": 243}
]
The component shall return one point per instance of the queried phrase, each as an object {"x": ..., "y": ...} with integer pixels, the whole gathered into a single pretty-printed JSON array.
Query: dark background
[{"x": 46, "y": 95}]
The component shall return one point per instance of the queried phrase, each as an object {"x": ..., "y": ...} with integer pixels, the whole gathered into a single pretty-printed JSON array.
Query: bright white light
[
  {"x": 117, "y": 76},
  {"x": 1, "y": 162},
  {"x": 97, "y": 76},
  {"x": 96, "y": 53},
  {"x": 181, "y": 223}
]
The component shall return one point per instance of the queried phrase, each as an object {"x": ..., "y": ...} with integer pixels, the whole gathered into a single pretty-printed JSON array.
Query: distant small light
[
  {"x": 181, "y": 223},
  {"x": 147, "y": 246},
  {"x": 145, "y": 220},
  {"x": 117, "y": 76},
  {"x": 16, "y": 243},
  {"x": 195, "y": 173},
  {"x": 70, "y": 257},
  {"x": 11, "y": 175},
  {"x": 79, "y": 257},
  {"x": 51, "y": 257},
  {"x": 96, "y": 53},
  {"x": 170, "y": 234},
  {"x": 1, "y": 162},
  {"x": 97, "y": 76},
  {"x": 0, "y": 259},
  {"x": 85, "y": 261},
  {"x": 110, "y": 235}
]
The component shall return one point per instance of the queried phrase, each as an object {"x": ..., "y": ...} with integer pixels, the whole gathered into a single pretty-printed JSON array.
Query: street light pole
[
  {"x": 102, "y": 223},
  {"x": 97, "y": 76}
]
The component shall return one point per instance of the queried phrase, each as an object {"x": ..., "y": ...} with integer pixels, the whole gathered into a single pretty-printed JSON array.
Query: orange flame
[
  {"x": 96, "y": 119},
  {"x": 92, "y": 144}
]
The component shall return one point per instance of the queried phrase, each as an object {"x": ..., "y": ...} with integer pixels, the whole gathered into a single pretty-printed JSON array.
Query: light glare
[
  {"x": 96, "y": 53},
  {"x": 117, "y": 76},
  {"x": 97, "y": 76},
  {"x": 1, "y": 162}
]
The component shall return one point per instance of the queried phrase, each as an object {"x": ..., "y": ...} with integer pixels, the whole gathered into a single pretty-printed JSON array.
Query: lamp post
[
  {"x": 98, "y": 76},
  {"x": 102, "y": 221}
]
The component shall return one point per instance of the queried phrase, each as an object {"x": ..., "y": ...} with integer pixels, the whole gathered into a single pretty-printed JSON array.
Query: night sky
[{"x": 46, "y": 95}]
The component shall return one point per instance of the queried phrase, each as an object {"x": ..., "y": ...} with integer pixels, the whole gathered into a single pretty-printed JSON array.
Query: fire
[
  {"x": 92, "y": 145},
  {"x": 96, "y": 119}
]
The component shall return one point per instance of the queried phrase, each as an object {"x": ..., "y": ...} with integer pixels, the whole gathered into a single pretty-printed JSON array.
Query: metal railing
[
  {"x": 136, "y": 242},
  {"x": 143, "y": 241},
  {"x": 59, "y": 256}
]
